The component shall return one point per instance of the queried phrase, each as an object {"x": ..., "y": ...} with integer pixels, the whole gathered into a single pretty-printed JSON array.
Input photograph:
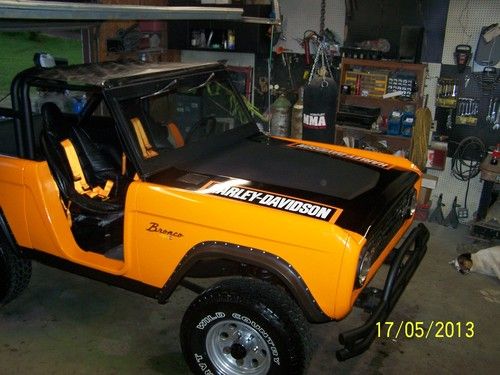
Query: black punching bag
[{"x": 320, "y": 107}]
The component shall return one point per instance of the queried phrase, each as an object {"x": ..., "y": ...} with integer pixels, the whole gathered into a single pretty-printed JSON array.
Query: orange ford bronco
[{"x": 151, "y": 176}]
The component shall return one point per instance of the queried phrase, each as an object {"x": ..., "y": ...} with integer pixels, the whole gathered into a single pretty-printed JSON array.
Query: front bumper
[{"x": 405, "y": 262}]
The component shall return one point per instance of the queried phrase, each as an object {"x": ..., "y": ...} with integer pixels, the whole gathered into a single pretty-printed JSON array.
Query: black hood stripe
[{"x": 342, "y": 155}]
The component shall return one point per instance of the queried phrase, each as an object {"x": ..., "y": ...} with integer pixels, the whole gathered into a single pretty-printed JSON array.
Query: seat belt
[
  {"x": 145, "y": 145},
  {"x": 67, "y": 211},
  {"x": 80, "y": 183},
  {"x": 124, "y": 167},
  {"x": 124, "y": 164}
]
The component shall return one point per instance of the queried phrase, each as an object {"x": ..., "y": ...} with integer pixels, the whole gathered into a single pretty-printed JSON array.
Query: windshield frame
[{"x": 147, "y": 167}]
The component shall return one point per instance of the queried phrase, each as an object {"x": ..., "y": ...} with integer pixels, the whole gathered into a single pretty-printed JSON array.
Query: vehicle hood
[{"x": 350, "y": 190}]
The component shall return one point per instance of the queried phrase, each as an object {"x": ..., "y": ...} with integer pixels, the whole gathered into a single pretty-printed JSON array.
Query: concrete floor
[{"x": 64, "y": 324}]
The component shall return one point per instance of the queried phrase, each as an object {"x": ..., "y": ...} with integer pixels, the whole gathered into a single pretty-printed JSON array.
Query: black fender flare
[
  {"x": 278, "y": 267},
  {"x": 7, "y": 233}
]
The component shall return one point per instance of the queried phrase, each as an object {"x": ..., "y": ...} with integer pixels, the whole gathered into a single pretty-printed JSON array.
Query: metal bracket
[
  {"x": 369, "y": 299},
  {"x": 452, "y": 218},
  {"x": 437, "y": 215}
]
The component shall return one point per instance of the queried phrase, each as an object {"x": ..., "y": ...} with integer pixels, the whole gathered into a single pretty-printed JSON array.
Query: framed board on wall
[{"x": 241, "y": 76}]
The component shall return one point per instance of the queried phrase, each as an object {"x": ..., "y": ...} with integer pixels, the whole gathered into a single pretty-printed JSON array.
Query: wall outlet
[
  {"x": 462, "y": 213},
  {"x": 434, "y": 125}
]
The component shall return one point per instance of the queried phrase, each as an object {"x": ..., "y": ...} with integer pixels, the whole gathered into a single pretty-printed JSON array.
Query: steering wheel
[{"x": 201, "y": 129}]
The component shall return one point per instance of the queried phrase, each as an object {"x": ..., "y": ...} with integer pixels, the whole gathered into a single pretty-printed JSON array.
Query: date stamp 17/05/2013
[{"x": 435, "y": 329}]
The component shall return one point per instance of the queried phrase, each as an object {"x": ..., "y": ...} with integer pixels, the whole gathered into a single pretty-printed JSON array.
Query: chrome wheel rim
[{"x": 235, "y": 347}]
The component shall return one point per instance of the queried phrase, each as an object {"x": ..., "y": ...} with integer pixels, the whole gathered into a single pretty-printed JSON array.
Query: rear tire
[
  {"x": 15, "y": 272},
  {"x": 245, "y": 326}
]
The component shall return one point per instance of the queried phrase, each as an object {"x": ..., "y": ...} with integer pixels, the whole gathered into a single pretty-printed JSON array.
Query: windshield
[{"x": 182, "y": 111}]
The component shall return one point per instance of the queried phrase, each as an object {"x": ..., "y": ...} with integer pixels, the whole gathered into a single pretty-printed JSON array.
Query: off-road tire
[
  {"x": 245, "y": 320},
  {"x": 15, "y": 272}
]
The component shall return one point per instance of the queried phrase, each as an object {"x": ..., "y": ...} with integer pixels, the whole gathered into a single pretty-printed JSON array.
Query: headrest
[{"x": 53, "y": 121}]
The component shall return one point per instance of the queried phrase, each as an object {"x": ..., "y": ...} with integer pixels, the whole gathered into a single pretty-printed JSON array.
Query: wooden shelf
[
  {"x": 383, "y": 64},
  {"x": 371, "y": 132},
  {"x": 367, "y": 100},
  {"x": 395, "y": 143},
  {"x": 215, "y": 50}
]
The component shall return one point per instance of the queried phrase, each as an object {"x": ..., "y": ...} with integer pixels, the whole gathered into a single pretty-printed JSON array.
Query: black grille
[{"x": 380, "y": 235}]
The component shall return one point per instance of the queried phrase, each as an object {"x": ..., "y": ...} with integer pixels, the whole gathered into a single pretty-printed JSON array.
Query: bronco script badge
[{"x": 155, "y": 227}]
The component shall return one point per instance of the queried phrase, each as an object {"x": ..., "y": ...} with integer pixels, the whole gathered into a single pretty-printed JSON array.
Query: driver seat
[{"x": 97, "y": 225}]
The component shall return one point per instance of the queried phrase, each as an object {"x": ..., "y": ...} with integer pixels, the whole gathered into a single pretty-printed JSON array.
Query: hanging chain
[
  {"x": 315, "y": 64},
  {"x": 322, "y": 58},
  {"x": 327, "y": 57},
  {"x": 322, "y": 19},
  {"x": 322, "y": 55}
]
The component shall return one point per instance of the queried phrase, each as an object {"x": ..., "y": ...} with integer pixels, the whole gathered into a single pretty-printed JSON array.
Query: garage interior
[{"x": 418, "y": 79}]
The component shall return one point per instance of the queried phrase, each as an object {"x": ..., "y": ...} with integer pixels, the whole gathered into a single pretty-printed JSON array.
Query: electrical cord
[
  {"x": 466, "y": 161},
  {"x": 467, "y": 158}
]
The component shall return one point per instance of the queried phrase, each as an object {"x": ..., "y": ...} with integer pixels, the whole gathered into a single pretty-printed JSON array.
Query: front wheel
[{"x": 245, "y": 326}]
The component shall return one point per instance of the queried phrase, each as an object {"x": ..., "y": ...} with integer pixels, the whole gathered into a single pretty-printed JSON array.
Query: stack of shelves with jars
[{"x": 378, "y": 72}]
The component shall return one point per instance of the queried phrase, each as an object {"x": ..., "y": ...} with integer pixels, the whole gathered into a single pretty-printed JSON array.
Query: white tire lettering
[
  {"x": 203, "y": 366},
  {"x": 209, "y": 318}
]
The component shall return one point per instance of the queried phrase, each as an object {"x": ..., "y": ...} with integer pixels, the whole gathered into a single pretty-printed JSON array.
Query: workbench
[{"x": 490, "y": 174}]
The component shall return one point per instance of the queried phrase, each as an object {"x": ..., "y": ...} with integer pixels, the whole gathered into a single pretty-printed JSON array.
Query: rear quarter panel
[{"x": 12, "y": 196}]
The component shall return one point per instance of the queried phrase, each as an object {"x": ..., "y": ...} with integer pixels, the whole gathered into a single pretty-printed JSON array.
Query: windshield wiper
[
  {"x": 162, "y": 90},
  {"x": 202, "y": 84}
]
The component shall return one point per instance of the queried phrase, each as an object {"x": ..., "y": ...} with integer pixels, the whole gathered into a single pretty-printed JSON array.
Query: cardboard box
[
  {"x": 429, "y": 183},
  {"x": 436, "y": 155},
  {"x": 424, "y": 196},
  {"x": 422, "y": 211}
]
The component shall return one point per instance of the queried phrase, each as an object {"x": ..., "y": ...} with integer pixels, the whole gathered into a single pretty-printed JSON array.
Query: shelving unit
[
  {"x": 249, "y": 38},
  {"x": 374, "y": 99}
]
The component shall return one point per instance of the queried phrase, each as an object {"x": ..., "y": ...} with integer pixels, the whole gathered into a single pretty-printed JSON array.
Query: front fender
[{"x": 276, "y": 266}]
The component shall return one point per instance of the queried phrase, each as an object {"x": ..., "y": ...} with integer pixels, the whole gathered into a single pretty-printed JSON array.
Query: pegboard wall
[
  {"x": 299, "y": 16},
  {"x": 464, "y": 23}
]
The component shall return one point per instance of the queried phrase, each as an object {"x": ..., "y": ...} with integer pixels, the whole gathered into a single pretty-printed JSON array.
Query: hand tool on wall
[
  {"x": 489, "y": 78},
  {"x": 496, "y": 124},
  {"x": 463, "y": 53},
  {"x": 490, "y": 111},
  {"x": 286, "y": 58},
  {"x": 492, "y": 117},
  {"x": 449, "y": 119}
]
